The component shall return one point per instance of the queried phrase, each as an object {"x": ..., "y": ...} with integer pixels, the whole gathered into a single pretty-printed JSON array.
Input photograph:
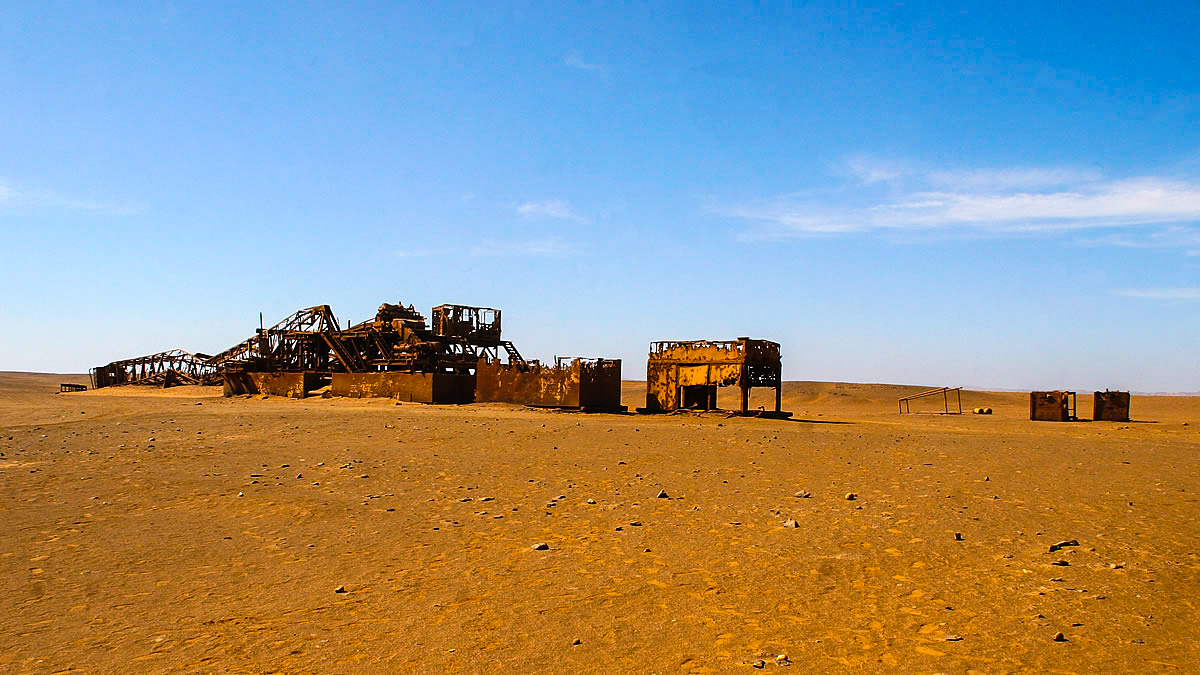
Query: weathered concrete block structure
[
  {"x": 293, "y": 385},
  {"x": 686, "y": 374},
  {"x": 411, "y": 387},
  {"x": 585, "y": 384},
  {"x": 1052, "y": 406},
  {"x": 1110, "y": 406}
]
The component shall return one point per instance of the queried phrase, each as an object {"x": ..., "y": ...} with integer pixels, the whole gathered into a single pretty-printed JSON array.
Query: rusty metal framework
[
  {"x": 905, "y": 401},
  {"x": 163, "y": 369},
  {"x": 686, "y": 374},
  {"x": 398, "y": 338}
]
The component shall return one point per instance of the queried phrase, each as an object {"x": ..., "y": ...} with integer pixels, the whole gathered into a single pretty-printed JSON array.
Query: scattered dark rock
[
  {"x": 958, "y": 536},
  {"x": 850, "y": 496},
  {"x": 340, "y": 589},
  {"x": 1063, "y": 544},
  {"x": 804, "y": 494},
  {"x": 541, "y": 547},
  {"x": 1059, "y": 637},
  {"x": 790, "y": 523},
  {"x": 662, "y": 494}
]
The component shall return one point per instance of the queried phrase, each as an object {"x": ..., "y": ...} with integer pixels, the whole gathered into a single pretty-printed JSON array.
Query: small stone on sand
[
  {"x": 541, "y": 547},
  {"x": 662, "y": 494},
  {"x": 850, "y": 496},
  {"x": 804, "y": 494},
  {"x": 1059, "y": 637},
  {"x": 340, "y": 589},
  {"x": 790, "y": 523}
]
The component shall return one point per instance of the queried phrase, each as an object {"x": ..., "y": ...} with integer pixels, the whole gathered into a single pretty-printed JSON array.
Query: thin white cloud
[
  {"x": 553, "y": 208},
  {"x": 1024, "y": 199},
  {"x": 872, "y": 170},
  {"x": 574, "y": 59},
  {"x": 1162, "y": 293},
  {"x": 551, "y": 246},
  {"x": 1172, "y": 237},
  {"x": 1029, "y": 178},
  {"x": 14, "y": 196}
]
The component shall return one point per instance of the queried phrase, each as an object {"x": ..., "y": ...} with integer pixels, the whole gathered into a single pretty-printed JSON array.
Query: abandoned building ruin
[
  {"x": 1060, "y": 406},
  {"x": 460, "y": 357},
  {"x": 686, "y": 374}
]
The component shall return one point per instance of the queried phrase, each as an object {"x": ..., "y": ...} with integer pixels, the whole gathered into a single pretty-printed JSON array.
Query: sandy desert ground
[{"x": 179, "y": 531}]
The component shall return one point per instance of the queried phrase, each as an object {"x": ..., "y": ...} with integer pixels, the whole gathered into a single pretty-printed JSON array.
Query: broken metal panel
[
  {"x": 529, "y": 383},
  {"x": 600, "y": 384},
  {"x": 1052, "y": 406},
  {"x": 685, "y": 374},
  {"x": 413, "y": 387},
  {"x": 591, "y": 384},
  {"x": 1110, "y": 406}
]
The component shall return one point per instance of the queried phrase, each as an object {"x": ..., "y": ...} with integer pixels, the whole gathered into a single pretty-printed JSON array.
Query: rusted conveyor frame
[
  {"x": 903, "y": 402},
  {"x": 155, "y": 368}
]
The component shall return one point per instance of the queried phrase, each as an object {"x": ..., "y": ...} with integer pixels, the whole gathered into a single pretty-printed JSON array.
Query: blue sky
[{"x": 1005, "y": 196}]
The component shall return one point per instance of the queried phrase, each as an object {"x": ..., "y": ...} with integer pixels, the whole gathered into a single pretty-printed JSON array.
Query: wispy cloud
[
  {"x": 1162, "y": 293},
  {"x": 885, "y": 195},
  {"x": 18, "y": 196},
  {"x": 551, "y": 246},
  {"x": 574, "y": 59},
  {"x": 1172, "y": 237},
  {"x": 553, "y": 208}
]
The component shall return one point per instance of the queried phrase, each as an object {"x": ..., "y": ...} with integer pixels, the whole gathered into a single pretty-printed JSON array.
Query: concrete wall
[
  {"x": 413, "y": 387},
  {"x": 294, "y": 385},
  {"x": 589, "y": 384}
]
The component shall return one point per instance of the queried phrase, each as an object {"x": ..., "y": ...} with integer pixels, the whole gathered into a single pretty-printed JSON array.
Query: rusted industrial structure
[
  {"x": 396, "y": 354},
  {"x": 163, "y": 369},
  {"x": 1052, "y": 406},
  {"x": 1060, "y": 406},
  {"x": 686, "y": 374},
  {"x": 1110, "y": 406}
]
